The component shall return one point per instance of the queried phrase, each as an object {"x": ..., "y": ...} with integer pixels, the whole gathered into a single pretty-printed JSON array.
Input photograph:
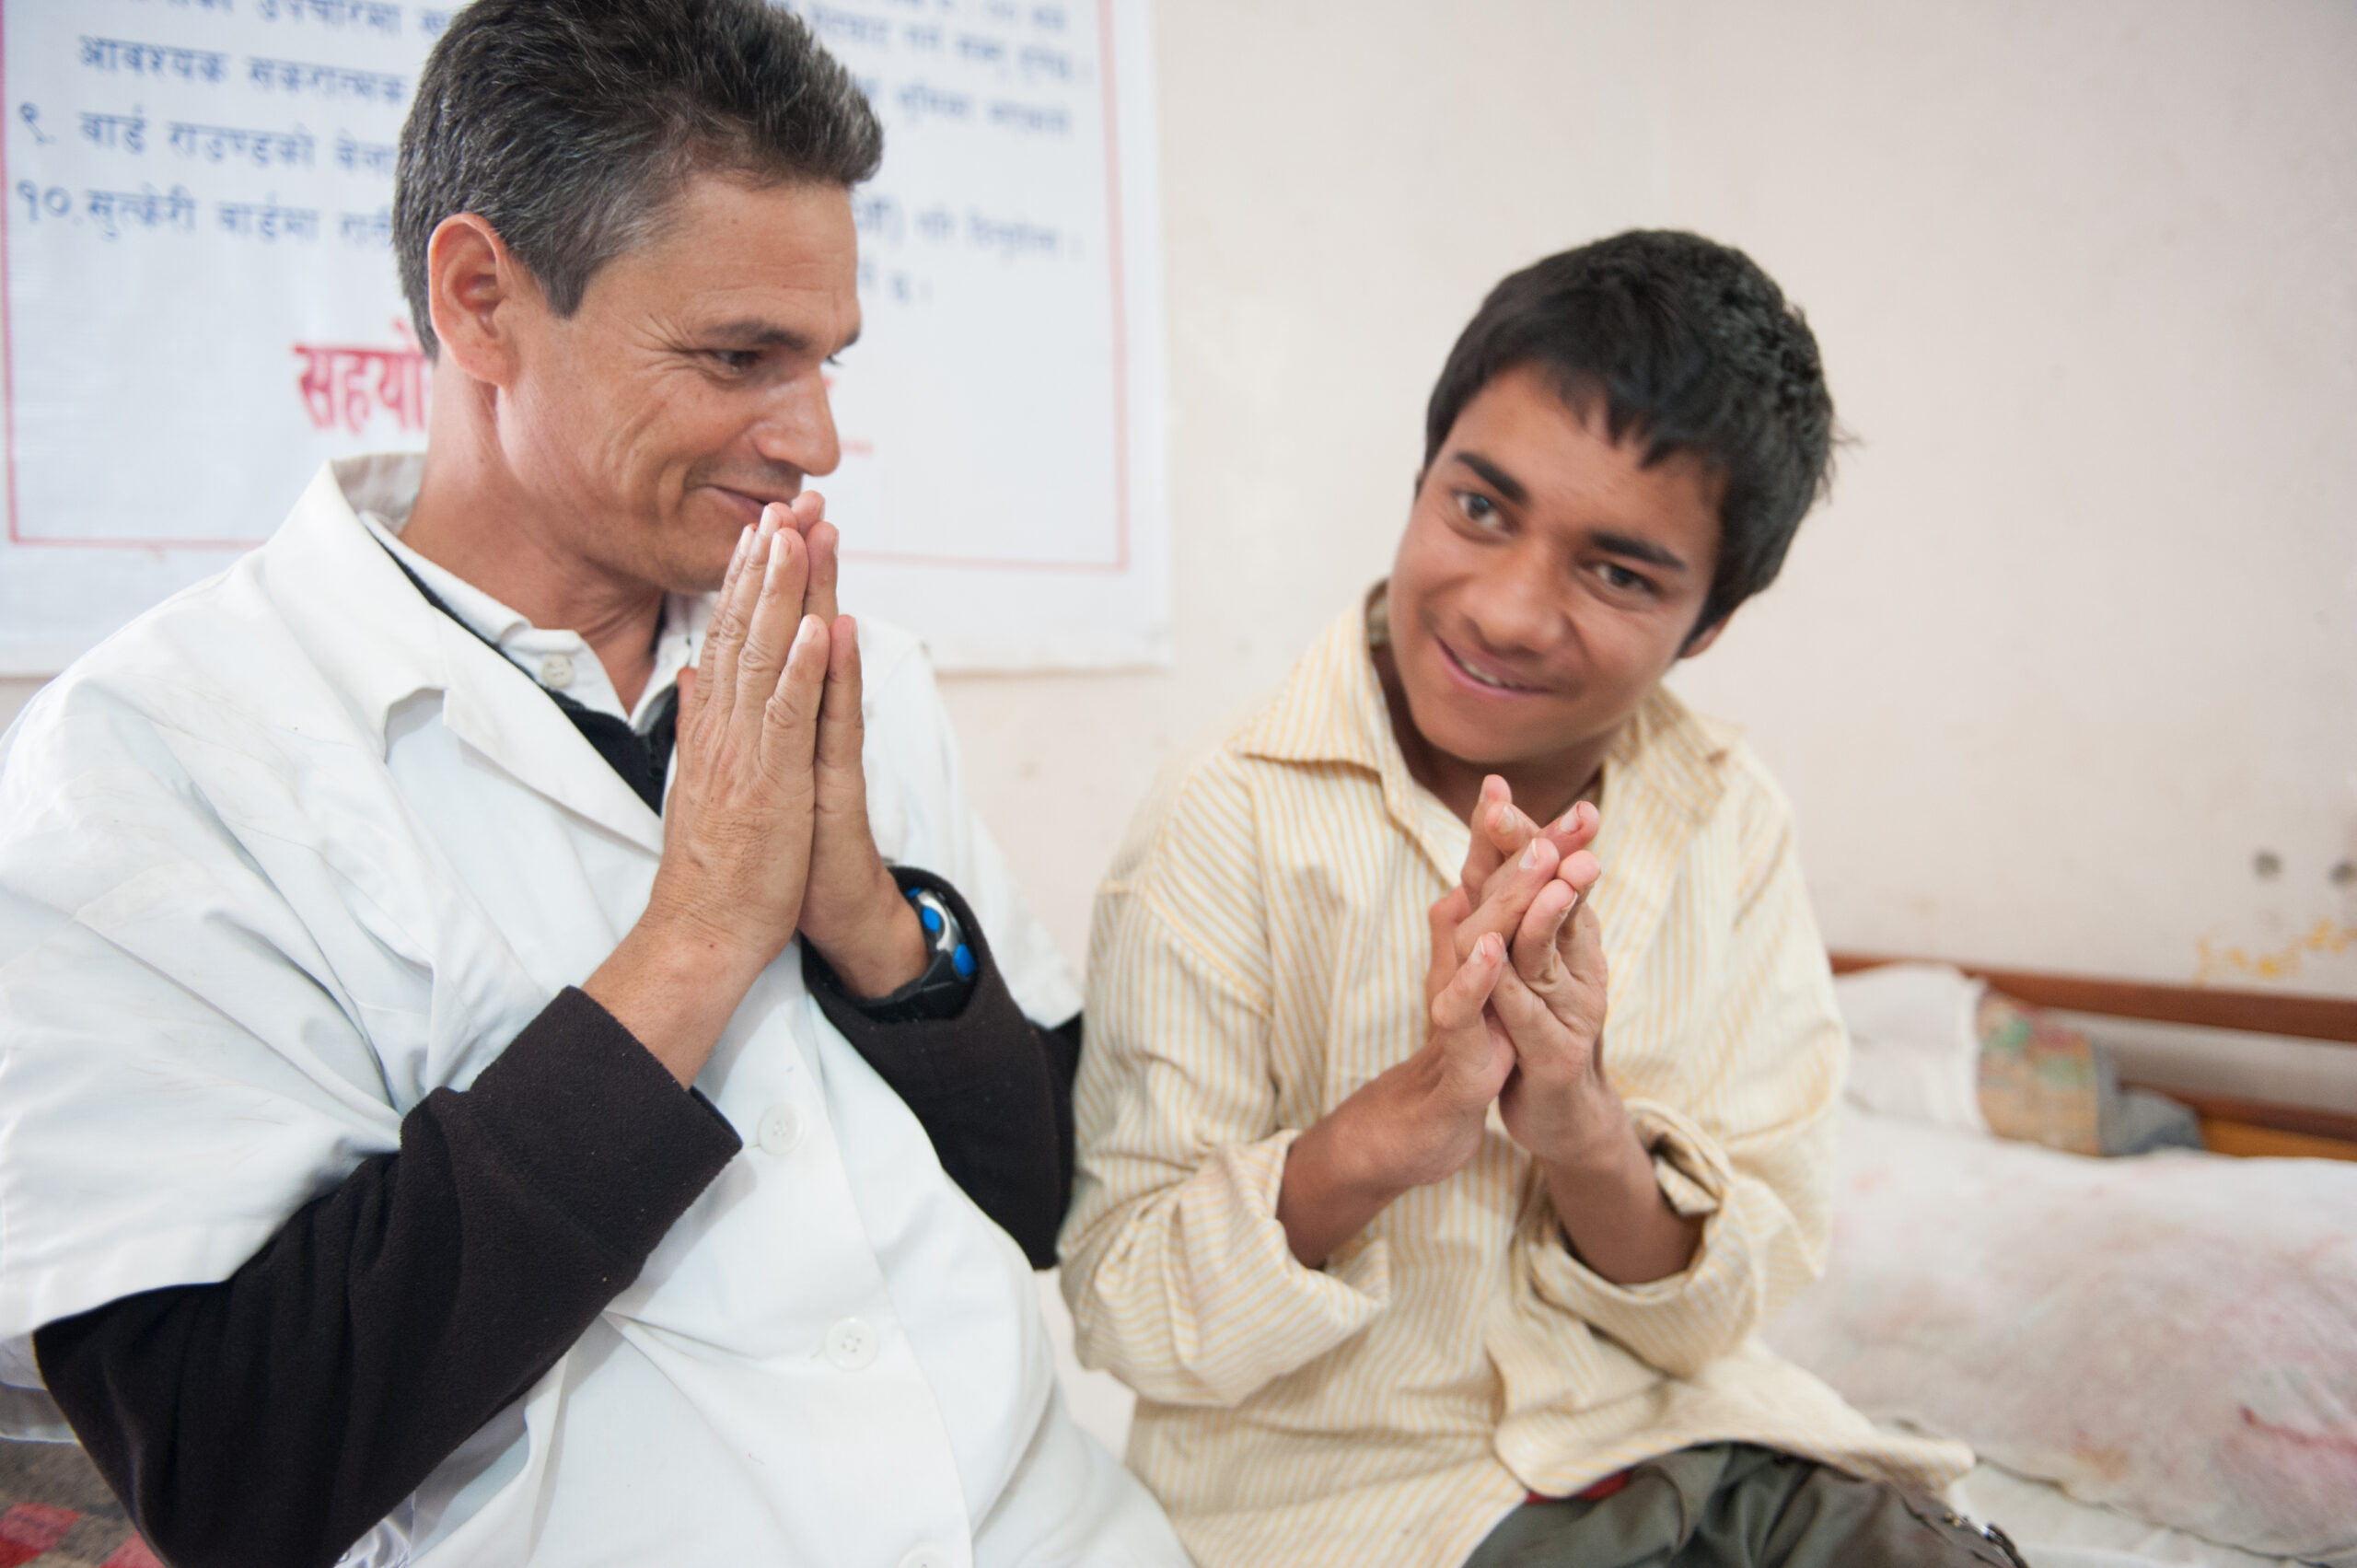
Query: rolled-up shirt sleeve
[
  {"x": 1180, "y": 1277},
  {"x": 1750, "y": 1157}
]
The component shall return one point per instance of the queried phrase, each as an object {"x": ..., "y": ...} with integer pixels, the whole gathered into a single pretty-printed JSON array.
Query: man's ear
[
  {"x": 1701, "y": 640},
  {"x": 476, "y": 293}
]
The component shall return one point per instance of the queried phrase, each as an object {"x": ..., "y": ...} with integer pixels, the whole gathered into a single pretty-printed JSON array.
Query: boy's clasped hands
[
  {"x": 1515, "y": 1001},
  {"x": 1516, "y": 985}
]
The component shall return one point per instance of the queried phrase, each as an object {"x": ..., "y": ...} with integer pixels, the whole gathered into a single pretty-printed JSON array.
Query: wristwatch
[{"x": 940, "y": 992}]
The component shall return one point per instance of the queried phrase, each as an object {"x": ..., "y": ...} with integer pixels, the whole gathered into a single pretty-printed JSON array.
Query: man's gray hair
[{"x": 571, "y": 126}]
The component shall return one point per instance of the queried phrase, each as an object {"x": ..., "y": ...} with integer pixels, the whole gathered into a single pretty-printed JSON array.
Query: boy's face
[{"x": 1547, "y": 580}]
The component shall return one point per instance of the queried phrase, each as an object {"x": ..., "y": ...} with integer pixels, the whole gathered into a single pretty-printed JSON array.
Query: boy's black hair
[
  {"x": 570, "y": 125},
  {"x": 1690, "y": 348}
]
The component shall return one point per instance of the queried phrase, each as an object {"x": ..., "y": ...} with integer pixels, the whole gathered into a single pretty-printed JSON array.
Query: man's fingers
[
  {"x": 806, "y": 515},
  {"x": 724, "y": 634},
  {"x": 841, "y": 734},
  {"x": 826, "y": 548},
  {"x": 776, "y": 616},
  {"x": 790, "y": 716}
]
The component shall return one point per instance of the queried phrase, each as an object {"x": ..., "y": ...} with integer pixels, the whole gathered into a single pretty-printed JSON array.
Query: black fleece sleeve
[
  {"x": 992, "y": 1089},
  {"x": 275, "y": 1417}
]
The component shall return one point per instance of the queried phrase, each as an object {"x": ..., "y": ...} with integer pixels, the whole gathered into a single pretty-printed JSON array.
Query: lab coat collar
[{"x": 378, "y": 642}]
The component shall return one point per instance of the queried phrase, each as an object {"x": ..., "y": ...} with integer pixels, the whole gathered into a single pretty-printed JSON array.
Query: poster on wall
[{"x": 200, "y": 307}]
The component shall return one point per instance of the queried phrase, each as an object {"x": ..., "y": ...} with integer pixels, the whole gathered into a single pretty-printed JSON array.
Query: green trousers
[{"x": 1738, "y": 1506}]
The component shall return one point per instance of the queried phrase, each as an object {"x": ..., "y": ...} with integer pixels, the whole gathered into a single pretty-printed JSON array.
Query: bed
[{"x": 2155, "y": 1355}]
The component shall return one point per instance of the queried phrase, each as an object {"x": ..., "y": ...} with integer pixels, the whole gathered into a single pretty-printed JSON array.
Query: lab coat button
[
  {"x": 926, "y": 1557},
  {"x": 780, "y": 1128},
  {"x": 850, "y": 1345},
  {"x": 556, "y": 671}
]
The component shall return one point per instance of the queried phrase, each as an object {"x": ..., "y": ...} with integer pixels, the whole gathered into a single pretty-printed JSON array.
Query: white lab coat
[{"x": 292, "y": 849}]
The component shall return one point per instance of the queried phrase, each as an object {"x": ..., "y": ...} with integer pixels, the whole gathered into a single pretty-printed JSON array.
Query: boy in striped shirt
[{"x": 1407, "y": 1264}]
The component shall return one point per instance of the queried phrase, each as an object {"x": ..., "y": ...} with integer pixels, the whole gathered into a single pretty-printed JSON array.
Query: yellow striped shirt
[{"x": 1259, "y": 952}]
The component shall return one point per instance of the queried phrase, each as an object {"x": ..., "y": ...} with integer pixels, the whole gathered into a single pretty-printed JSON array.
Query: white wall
[
  {"x": 1342, "y": 184},
  {"x": 2076, "y": 639}
]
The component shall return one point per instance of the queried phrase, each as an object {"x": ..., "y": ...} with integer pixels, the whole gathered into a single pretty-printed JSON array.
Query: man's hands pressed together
[
  {"x": 765, "y": 827},
  {"x": 1516, "y": 993},
  {"x": 852, "y": 912}
]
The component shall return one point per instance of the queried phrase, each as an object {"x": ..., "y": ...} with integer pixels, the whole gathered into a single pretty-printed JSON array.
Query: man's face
[
  {"x": 689, "y": 387},
  {"x": 1547, "y": 580}
]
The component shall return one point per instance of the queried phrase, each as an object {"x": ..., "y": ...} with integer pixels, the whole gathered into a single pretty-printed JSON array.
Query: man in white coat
[{"x": 513, "y": 1047}]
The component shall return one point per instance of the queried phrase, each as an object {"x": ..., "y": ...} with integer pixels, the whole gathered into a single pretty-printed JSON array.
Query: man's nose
[{"x": 797, "y": 428}]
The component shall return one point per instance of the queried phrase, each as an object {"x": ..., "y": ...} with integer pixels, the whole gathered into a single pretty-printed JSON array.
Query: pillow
[
  {"x": 2040, "y": 1082},
  {"x": 1930, "y": 1044},
  {"x": 1913, "y": 1043},
  {"x": 2175, "y": 1336}
]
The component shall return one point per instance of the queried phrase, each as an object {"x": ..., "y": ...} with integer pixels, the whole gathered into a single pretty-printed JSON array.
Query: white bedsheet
[
  {"x": 2055, "y": 1530},
  {"x": 2174, "y": 1335}
]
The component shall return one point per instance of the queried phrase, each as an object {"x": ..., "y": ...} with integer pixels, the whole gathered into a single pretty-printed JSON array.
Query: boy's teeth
[{"x": 1484, "y": 679}]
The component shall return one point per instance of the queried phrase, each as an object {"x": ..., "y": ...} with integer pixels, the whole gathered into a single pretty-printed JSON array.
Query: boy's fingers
[
  {"x": 1511, "y": 827},
  {"x": 1508, "y": 895},
  {"x": 1447, "y": 913},
  {"x": 1575, "y": 829},
  {"x": 1457, "y": 1009},
  {"x": 1535, "y": 938},
  {"x": 1526, "y": 1015},
  {"x": 1579, "y": 943},
  {"x": 1481, "y": 852}
]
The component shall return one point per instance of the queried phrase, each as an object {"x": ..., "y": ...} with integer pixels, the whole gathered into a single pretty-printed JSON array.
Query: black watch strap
[{"x": 947, "y": 980}]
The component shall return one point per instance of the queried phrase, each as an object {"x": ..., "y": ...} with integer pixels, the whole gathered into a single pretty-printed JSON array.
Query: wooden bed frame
[{"x": 2229, "y": 1125}]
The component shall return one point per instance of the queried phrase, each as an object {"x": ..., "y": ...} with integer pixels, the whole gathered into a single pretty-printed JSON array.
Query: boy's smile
[{"x": 1547, "y": 581}]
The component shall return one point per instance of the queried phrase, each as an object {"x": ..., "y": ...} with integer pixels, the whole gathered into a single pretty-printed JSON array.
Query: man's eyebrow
[
  {"x": 1636, "y": 549},
  {"x": 1497, "y": 477},
  {"x": 755, "y": 333}
]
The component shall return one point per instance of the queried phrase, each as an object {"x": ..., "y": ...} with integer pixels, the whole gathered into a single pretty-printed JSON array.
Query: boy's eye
[
  {"x": 1479, "y": 509},
  {"x": 1619, "y": 577}
]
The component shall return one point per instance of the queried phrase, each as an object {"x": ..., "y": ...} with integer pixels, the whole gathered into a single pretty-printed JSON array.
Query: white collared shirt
[
  {"x": 559, "y": 659},
  {"x": 292, "y": 849}
]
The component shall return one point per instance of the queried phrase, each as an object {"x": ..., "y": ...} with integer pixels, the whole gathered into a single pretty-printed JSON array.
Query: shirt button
[
  {"x": 850, "y": 1345},
  {"x": 780, "y": 1128},
  {"x": 926, "y": 1557},
  {"x": 556, "y": 671}
]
